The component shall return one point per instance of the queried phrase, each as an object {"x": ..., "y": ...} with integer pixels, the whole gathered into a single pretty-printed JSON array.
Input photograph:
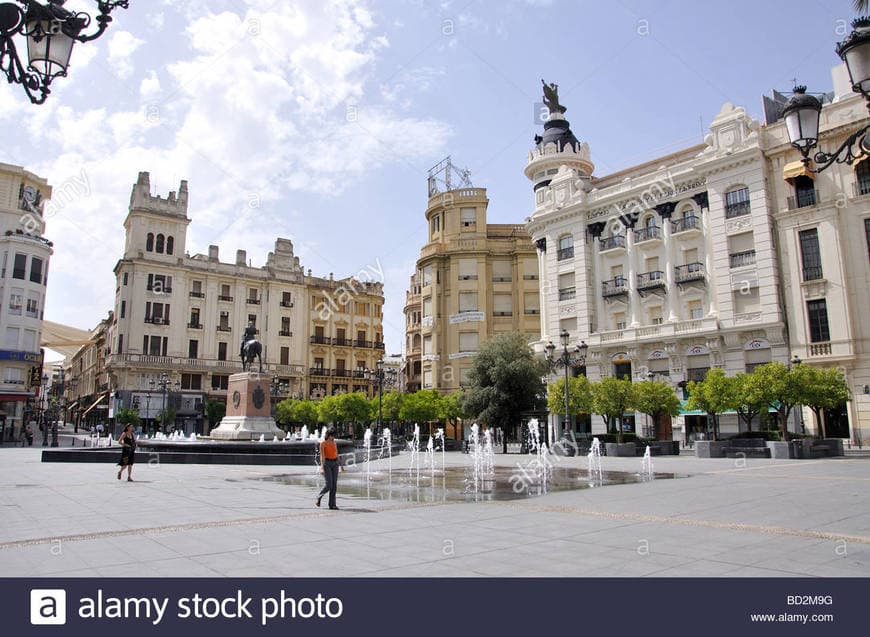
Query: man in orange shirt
[{"x": 329, "y": 463}]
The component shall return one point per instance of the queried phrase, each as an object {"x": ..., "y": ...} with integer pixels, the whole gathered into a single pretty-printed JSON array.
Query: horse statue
[{"x": 250, "y": 350}]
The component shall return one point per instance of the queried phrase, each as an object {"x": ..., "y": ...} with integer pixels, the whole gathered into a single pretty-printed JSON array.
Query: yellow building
[{"x": 474, "y": 280}]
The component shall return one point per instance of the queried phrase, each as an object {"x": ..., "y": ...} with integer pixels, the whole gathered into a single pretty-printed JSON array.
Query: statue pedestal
[{"x": 249, "y": 413}]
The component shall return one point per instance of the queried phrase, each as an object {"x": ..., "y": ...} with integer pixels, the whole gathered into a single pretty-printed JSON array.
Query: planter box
[
  {"x": 624, "y": 450},
  {"x": 710, "y": 448},
  {"x": 664, "y": 447},
  {"x": 834, "y": 445},
  {"x": 779, "y": 450}
]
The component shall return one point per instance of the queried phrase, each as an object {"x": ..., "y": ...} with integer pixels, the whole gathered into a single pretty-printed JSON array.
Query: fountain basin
[{"x": 233, "y": 452}]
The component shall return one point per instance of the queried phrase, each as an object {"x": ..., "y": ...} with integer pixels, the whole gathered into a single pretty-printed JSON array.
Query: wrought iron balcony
[
  {"x": 285, "y": 333},
  {"x": 803, "y": 199},
  {"x": 252, "y": 301},
  {"x": 737, "y": 209},
  {"x": 651, "y": 280},
  {"x": 320, "y": 371},
  {"x": 611, "y": 243},
  {"x": 502, "y": 313},
  {"x": 689, "y": 272},
  {"x": 739, "y": 259},
  {"x": 194, "y": 325},
  {"x": 344, "y": 342},
  {"x": 286, "y": 303},
  {"x": 565, "y": 253},
  {"x": 196, "y": 295},
  {"x": 379, "y": 345},
  {"x": 223, "y": 297},
  {"x": 224, "y": 328},
  {"x": 362, "y": 343},
  {"x": 566, "y": 294},
  {"x": 320, "y": 340},
  {"x": 689, "y": 222},
  {"x": 813, "y": 273},
  {"x": 157, "y": 320},
  {"x": 614, "y": 287},
  {"x": 647, "y": 234},
  {"x": 862, "y": 187}
]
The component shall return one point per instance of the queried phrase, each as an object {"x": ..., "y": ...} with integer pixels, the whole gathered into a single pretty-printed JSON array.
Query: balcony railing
[
  {"x": 159, "y": 289},
  {"x": 194, "y": 326},
  {"x": 647, "y": 234},
  {"x": 468, "y": 277},
  {"x": 379, "y": 345},
  {"x": 502, "y": 313},
  {"x": 320, "y": 340},
  {"x": 285, "y": 333},
  {"x": 342, "y": 373},
  {"x": 362, "y": 343},
  {"x": 344, "y": 342},
  {"x": 739, "y": 259},
  {"x": 689, "y": 222},
  {"x": 286, "y": 303},
  {"x": 689, "y": 272},
  {"x": 320, "y": 371},
  {"x": 252, "y": 301},
  {"x": 566, "y": 294},
  {"x": 196, "y": 295},
  {"x": 531, "y": 310},
  {"x": 502, "y": 279},
  {"x": 224, "y": 297},
  {"x": 651, "y": 280},
  {"x": 862, "y": 187},
  {"x": 610, "y": 243},
  {"x": 157, "y": 320},
  {"x": 614, "y": 287},
  {"x": 813, "y": 273},
  {"x": 224, "y": 328},
  {"x": 803, "y": 199},
  {"x": 737, "y": 209},
  {"x": 565, "y": 253}
]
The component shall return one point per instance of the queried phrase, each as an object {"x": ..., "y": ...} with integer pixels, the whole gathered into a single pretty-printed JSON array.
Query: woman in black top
[{"x": 128, "y": 452}]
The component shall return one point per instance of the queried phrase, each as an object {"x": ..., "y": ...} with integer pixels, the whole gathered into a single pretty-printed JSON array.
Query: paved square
[{"x": 727, "y": 518}]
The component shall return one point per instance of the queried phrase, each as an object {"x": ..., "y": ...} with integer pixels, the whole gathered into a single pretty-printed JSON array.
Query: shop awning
[
  {"x": 96, "y": 402},
  {"x": 796, "y": 169},
  {"x": 14, "y": 397}
]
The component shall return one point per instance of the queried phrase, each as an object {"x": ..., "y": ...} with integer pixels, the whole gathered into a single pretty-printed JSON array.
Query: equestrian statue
[{"x": 251, "y": 348}]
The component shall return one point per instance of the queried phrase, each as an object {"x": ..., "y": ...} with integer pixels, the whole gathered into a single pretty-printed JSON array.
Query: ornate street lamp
[
  {"x": 380, "y": 376},
  {"x": 50, "y": 31},
  {"x": 801, "y": 112},
  {"x": 164, "y": 382},
  {"x": 566, "y": 359}
]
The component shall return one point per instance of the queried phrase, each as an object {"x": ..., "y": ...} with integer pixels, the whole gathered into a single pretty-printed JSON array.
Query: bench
[{"x": 747, "y": 448}]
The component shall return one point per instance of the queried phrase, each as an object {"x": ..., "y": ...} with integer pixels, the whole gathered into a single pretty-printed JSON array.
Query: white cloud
[
  {"x": 150, "y": 85},
  {"x": 122, "y": 45}
]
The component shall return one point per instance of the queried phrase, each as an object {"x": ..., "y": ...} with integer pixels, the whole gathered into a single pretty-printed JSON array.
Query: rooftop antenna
[{"x": 440, "y": 177}]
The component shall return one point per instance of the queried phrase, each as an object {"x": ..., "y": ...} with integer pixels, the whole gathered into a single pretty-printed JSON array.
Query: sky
[{"x": 317, "y": 120}]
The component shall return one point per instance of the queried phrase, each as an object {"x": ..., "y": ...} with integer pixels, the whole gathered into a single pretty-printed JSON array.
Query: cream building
[
  {"x": 666, "y": 269},
  {"x": 823, "y": 238},
  {"x": 185, "y": 316},
  {"x": 25, "y": 253},
  {"x": 412, "y": 366},
  {"x": 473, "y": 280}
]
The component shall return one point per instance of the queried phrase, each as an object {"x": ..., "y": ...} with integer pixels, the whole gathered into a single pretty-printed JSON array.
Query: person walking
[
  {"x": 127, "y": 440},
  {"x": 28, "y": 434},
  {"x": 329, "y": 464}
]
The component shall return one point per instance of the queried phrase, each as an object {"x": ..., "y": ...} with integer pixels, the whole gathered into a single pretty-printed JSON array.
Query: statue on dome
[{"x": 551, "y": 98}]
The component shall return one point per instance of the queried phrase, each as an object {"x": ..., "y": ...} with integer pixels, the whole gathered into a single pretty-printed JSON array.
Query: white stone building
[
  {"x": 667, "y": 268},
  {"x": 25, "y": 255},
  {"x": 185, "y": 316}
]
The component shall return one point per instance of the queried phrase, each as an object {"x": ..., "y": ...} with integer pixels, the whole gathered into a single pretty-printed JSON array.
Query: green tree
[
  {"x": 782, "y": 388},
  {"x": 655, "y": 399},
  {"x": 304, "y": 411},
  {"x": 390, "y": 406},
  {"x": 579, "y": 396},
  {"x": 710, "y": 395},
  {"x": 328, "y": 410},
  {"x": 826, "y": 389},
  {"x": 166, "y": 417},
  {"x": 611, "y": 398},
  {"x": 450, "y": 406},
  {"x": 505, "y": 381},
  {"x": 354, "y": 408},
  {"x": 128, "y": 416},
  {"x": 745, "y": 395},
  {"x": 214, "y": 411},
  {"x": 421, "y": 406}
]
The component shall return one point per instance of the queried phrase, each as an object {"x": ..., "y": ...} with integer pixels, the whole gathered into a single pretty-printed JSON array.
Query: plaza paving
[{"x": 727, "y": 518}]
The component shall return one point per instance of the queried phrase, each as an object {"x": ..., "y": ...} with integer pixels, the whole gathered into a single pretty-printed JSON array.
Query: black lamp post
[
  {"x": 50, "y": 32},
  {"x": 278, "y": 388},
  {"x": 381, "y": 375},
  {"x": 801, "y": 112},
  {"x": 43, "y": 409},
  {"x": 164, "y": 382},
  {"x": 566, "y": 359}
]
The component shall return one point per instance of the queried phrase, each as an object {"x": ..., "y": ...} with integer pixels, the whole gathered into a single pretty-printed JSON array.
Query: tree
[
  {"x": 128, "y": 416},
  {"x": 215, "y": 410},
  {"x": 611, "y": 398},
  {"x": 710, "y": 395},
  {"x": 745, "y": 395},
  {"x": 391, "y": 406},
  {"x": 826, "y": 389},
  {"x": 655, "y": 399},
  {"x": 579, "y": 396},
  {"x": 450, "y": 407},
  {"x": 166, "y": 417},
  {"x": 304, "y": 411},
  {"x": 328, "y": 410},
  {"x": 354, "y": 408},
  {"x": 505, "y": 381},
  {"x": 421, "y": 406},
  {"x": 782, "y": 388}
]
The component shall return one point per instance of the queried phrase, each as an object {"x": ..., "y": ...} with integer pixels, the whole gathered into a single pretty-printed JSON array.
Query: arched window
[
  {"x": 149, "y": 242},
  {"x": 170, "y": 244},
  {"x": 159, "y": 246},
  {"x": 862, "y": 173},
  {"x": 649, "y": 222}
]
